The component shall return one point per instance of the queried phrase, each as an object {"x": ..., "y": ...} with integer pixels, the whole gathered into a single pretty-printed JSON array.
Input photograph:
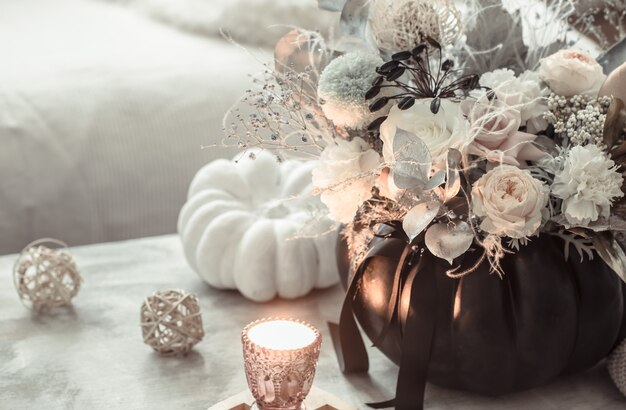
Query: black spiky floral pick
[{"x": 425, "y": 80}]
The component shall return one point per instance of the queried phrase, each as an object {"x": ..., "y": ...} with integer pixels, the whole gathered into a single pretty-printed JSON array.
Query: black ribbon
[{"x": 419, "y": 326}]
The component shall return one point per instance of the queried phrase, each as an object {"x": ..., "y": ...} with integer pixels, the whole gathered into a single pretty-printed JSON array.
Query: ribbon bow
[{"x": 417, "y": 331}]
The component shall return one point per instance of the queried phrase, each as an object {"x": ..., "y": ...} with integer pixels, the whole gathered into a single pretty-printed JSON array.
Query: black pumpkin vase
[{"x": 546, "y": 316}]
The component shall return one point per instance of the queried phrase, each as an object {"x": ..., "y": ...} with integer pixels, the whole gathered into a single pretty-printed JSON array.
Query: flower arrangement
[
  {"x": 462, "y": 142},
  {"x": 468, "y": 137}
]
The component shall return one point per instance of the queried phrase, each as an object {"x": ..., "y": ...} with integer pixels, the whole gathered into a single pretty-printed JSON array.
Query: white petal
[{"x": 436, "y": 180}]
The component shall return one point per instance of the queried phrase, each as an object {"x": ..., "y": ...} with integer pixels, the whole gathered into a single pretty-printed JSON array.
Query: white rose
[
  {"x": 570, "y": 72},
  {"x": 525, "y": 93},
  {"x": 510, "y": 201},
  {"x": 346, "y": 174},
  {"x": 587, "y": 184},
  {"x": 440, "y": 132}
]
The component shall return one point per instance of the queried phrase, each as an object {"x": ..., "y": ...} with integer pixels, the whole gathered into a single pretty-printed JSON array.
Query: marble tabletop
[{"x": 91, "y": 356}]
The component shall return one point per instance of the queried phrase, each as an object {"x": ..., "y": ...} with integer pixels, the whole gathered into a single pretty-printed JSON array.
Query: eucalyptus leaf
[
  {"x": 408, "y": 198},
  {"x": 614, "y": 123},
  {"x": 419, "y": 217},
  {"x": 354, "y": 18},
  {"x": 412, "y": 161},
  {"x": 449, "y": 241},
  {"x": 436, "y": 180},
  {"x": 453, "y": 179},
  {"x": 610, "y": 251}
]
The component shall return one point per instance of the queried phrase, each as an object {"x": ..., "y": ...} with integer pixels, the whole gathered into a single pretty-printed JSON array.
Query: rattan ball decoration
[
  {"x": 171, "y": 322},
  {"x": 45, "y": 275},
  {"x": 616, "y": 364}
]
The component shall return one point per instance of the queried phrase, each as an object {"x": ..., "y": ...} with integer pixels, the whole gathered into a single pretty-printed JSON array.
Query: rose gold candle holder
[{"x": 280, "y": 357}]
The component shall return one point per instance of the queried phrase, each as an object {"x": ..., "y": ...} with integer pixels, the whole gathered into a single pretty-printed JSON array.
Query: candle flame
[{"x": 281, "y": 335}]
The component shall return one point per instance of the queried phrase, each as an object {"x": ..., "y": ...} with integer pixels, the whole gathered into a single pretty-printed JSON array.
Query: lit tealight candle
[
  {"x": 281, "y": 334},
  {"x": 280, "y": 357}
]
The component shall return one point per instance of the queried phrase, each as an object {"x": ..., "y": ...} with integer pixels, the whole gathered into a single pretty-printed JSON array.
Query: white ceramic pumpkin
[{"x": 242, "y": 225}]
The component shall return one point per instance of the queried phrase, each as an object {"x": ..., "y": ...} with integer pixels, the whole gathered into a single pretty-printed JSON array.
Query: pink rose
[{"x": 496, "y": 136}]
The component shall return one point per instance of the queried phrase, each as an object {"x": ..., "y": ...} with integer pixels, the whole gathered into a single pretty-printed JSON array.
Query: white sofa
[{"x": 103, "y": 113}]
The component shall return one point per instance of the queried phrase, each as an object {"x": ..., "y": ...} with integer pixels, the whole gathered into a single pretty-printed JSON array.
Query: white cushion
[{"x": 103, "y": 113}]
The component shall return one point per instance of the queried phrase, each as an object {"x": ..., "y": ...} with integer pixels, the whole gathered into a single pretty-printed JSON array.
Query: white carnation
[
  {"x": 587, "y": 184},
  {"x": 525, "y": 92},
  {"x": 346, "y": 174},
  {"x": 342, "y": 87}
]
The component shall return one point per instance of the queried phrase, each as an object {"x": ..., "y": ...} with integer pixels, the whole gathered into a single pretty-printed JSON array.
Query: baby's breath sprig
[
  {"x": 578, "y": 120},
  {"x": 592, "y": 17},
  {"x": 280, "y": 113}
]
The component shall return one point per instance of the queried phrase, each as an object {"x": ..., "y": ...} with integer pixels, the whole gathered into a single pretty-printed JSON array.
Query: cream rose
[
  {"x": 570, "y": 72},
  {"x": 345, "y": 174},
  {"x": 510, "y": 202},
  {"x": 440, "y": 132}
]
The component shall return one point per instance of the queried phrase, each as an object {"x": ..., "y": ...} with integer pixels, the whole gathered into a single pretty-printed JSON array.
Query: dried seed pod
[
  {"x": 372, "y": 92},
  {"x": 435, "y": 104},
  {"x": 389, "y": 66},
  {"x": 396, "y": 73},
  {"x": 375, "y": 125},
  {"x": 447, "y": 65},
  {"x": 417, "y": 51},
  {"x": 406, "y": 103},
  {"x": 378, "y": 104},
  {"x": 401, "y": 56},
  {"x": 378, "y": 81}
]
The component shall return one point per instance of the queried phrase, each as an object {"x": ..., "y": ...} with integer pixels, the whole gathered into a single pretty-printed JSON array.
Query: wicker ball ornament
[
  {"x": 171, "y": 322},
  {"x": 616, "y": 364},
  {"x": 45, "y": 275}
]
